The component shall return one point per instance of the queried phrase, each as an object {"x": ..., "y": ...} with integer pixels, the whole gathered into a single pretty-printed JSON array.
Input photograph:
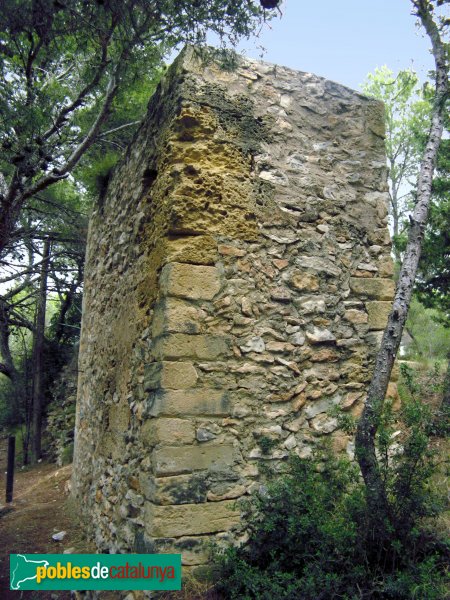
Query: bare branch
[
  {"x": 89, "y": 139},
  {"x": 104, "y": 133},
  {"x": 84, "y": 93},
  {"x": 111, "y": 91},
  {"x": 16, "y": 290},
  {"x": 19, "y": 321}
]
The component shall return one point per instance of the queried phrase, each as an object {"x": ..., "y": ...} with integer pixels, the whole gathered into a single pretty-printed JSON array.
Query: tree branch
[
  {"x": 84, "y": 93},
  {"x": 4, "y": 370},
  {"x": 89, "y": 139},
  {"x": 104, "y": 133},
  {"x": 11, "y": 293}
]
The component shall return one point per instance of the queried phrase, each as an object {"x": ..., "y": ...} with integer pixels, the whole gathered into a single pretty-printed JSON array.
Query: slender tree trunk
[
  {"x": 446, "y": 397},
  {"x": 10, "y": 209},
  {"x": 368, "y": 423},
  {"x": 38, "y": 354},
  {"x": 395, "y": 221},
  {"x": 7, "y": 366}
]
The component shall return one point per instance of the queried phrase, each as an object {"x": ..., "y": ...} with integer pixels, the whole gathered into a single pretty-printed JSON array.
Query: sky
[{"x": 344, "y": 40}]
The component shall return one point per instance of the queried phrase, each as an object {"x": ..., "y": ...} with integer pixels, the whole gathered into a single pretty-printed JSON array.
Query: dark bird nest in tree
[{"x": 270, "y": 3}]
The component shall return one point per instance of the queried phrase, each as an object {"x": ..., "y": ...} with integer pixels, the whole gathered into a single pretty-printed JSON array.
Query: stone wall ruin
[{"x": 238, "y": 277}]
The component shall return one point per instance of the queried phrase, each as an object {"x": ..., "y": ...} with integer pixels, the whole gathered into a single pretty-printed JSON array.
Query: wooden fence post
[{"x": 10, "y": 468}]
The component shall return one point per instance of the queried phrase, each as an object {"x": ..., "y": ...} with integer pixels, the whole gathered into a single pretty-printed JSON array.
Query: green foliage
[
  {"x": 407, "y": 110},
  {"x": 346, "y": 421},
  {"x": 9, "y": 413},
  {"x": 309, "y": 536},
  {"x": 56, "y": 59},
  {"x": 97, "y": 173},
  {"x": 430, "y": 335},
  {"x": 15, "y": 396},
  {"x": 429, "y": 386},
  {"x": 266, "y": 444},
  {"x": 127, "y": 111},
  {"x": 434, "y": 270},
  {"x": 76, "y": 77},
  {"x": 298, "y": 533},
  {"x": 433, "y": 284}
]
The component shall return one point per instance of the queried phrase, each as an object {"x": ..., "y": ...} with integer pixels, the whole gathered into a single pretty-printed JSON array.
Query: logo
[{"x": 95, "y": 571}]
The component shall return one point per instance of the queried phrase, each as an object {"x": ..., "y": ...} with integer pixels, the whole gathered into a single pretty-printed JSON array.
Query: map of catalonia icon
[{"x": 23, "y": 569}]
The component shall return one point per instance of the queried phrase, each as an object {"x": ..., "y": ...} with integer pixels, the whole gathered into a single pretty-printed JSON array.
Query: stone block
[
  {"x": 385, "y": 266},
  {"x": 310, "y": 305},
  {"x": 168, "y": 431},
  {"x": 194, "y": 550},
  {"x": 190, "y": 519},
  {"x": 119, "y": 417},
  {"x": 190, "y": 281},
  {"x": 169, "y": 375},
  {"x": 207, "y": 402},
  {"x": 355, "y": 316},
  {"x": 304, "y": 281},
  {"x": 175, "y": 460},
  {"x": 197, "y": 250},
  {"x": 377, "y": 288},
  {"x": 254, "y": 344},
  {"x": 176, "y": 489},
  {"x": 378, "y": 313},
  {"x": 321, "y": 406},
  {"x": 178, "y": 375},
  {"x": 319, "y": 265},
  {"x": 350, "y": 399},
  {"x": 227, "y": 250},
  {"x": 172, "y": 315},
  {"x": 339, "y": 442},
  {"x": 113, "y": 445},
  {"x": 179, "y": 345},
  {"x": 325, "y": 355},
  {"x": 392, "y": 391},
  {"x": 320, "y": 336},
  {"x": 283, "y": 347},
  {"x": 380, "y": 236},
  {"x": 324, "y": 424},
  {"x": 373, "y": 339},
  {"x": 322, "y": 372}
]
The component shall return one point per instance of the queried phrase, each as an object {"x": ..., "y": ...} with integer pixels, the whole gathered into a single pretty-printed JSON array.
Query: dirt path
[{"x": 39, "y": 509}]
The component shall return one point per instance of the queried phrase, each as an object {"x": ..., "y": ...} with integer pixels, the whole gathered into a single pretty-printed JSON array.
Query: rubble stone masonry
[{"x": 238, "y": 278}]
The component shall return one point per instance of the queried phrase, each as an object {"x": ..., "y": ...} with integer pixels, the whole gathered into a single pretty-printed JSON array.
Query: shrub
[{"x": 309, "y": 536}]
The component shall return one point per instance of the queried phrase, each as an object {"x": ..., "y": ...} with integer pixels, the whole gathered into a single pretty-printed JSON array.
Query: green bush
[{"x": 309, "y": 536}]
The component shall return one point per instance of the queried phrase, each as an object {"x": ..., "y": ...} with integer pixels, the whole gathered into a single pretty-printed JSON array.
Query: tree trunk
[
  {"x": 38, "y": 354},
  {"x": 395, "y": 221},
  {"x": 367, "y": 427},
  {"x": 7, "y": 366},
  {"x": 446, "y": 396},
  {"x": 10, "y": 209},
  {"x": 393, "y": 193}
]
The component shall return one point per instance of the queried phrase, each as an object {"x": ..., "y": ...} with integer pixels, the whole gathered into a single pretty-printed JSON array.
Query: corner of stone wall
[{"x": 238, "y": 280}]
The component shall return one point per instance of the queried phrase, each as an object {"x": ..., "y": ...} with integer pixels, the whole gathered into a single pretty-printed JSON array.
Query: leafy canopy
[{"x": 69, "y": 65}]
